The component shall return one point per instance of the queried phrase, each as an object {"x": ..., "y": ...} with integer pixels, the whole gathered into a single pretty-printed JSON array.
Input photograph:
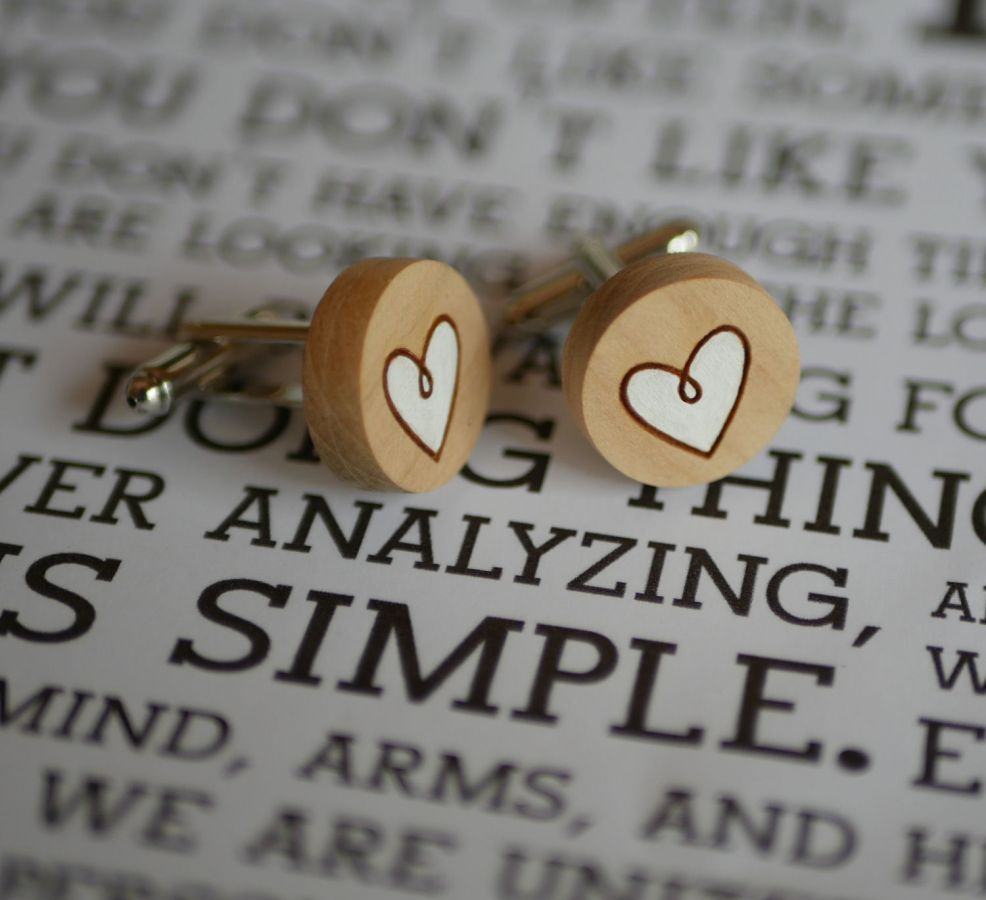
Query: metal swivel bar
[
  {"x": 210, "y": 355},
  {"x": 560, "y": 292}
]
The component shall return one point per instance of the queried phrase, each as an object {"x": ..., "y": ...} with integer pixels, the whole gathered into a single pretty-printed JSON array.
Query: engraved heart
[
  {"x": 421, "y": 390},
  {"x": 691, "y": 407}
]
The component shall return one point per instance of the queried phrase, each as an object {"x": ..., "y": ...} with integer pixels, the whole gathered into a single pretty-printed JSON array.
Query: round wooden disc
[
  {"x": 396, "y": 375},
  {"x": 680, "y": 368}
]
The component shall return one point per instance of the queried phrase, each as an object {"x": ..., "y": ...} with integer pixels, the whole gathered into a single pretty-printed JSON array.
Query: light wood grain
[
  {"x": 654, "y": 314},
  {"x": 372, "y": 311}
]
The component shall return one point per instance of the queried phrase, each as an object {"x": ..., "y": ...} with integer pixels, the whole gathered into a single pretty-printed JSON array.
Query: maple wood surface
[
  {"x": 375, "y": 311},
  {"x": 654, "y": 315}
]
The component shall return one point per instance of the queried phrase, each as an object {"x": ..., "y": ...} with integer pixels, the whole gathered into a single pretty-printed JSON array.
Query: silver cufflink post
[
  {"x": 212, "y": 356},
  {"x": 559, "y": 293}
]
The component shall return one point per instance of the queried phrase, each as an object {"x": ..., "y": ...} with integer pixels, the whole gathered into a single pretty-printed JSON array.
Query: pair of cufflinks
[{"x": 678, "y": 368}]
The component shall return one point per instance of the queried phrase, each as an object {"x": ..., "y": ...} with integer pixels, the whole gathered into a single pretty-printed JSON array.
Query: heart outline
[
  {"x": 684, "y": 378},
  {"x": 425, "y": 389}
]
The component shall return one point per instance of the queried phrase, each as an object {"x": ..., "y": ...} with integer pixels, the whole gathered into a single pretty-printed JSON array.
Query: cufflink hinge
[
  {"x": 212, "y": 358},
  {"x": 560, "y": 292}
]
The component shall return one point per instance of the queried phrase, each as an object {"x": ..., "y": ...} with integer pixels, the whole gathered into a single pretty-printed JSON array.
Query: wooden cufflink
[
  {"x": 395, "y": 379},
  {"x": 679, "y": 367}
]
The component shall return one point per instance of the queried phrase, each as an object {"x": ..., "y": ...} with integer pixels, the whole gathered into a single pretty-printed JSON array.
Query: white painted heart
[
  {"x": 692, "y": 406},
  {"x": 421, "y": 391}
]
